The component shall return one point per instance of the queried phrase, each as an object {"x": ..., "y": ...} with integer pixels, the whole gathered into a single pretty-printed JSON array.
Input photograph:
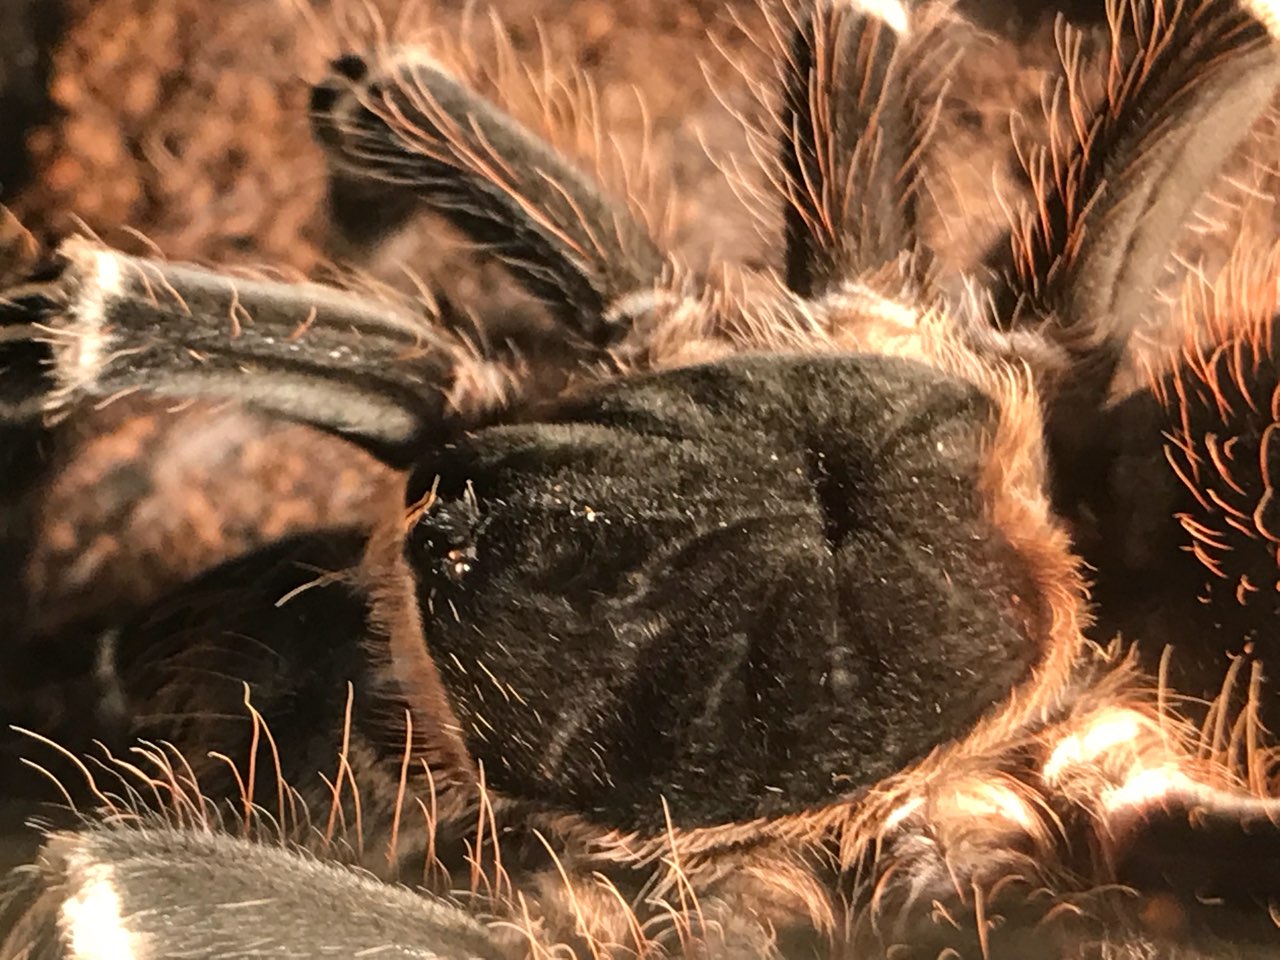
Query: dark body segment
[{"x": 747, "y": 588}]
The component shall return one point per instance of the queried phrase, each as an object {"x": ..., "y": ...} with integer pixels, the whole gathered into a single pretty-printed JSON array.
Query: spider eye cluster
[{"x": 442, "y": 541}]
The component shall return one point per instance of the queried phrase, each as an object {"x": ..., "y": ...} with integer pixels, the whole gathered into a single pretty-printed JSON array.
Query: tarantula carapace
[{"x": 749, "y": 620}]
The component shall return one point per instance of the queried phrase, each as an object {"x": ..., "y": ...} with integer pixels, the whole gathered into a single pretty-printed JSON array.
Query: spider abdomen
[{"x": 748, "y": 587}]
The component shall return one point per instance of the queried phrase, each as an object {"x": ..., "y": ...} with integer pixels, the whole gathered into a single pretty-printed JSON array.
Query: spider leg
[
  {"x": 1085, "y": 259},
  {"x": 856, "y": 108},
  {"x": 1186, "y": 534},
  {"x": 154, "y": 891},
  {"x": 1212, "y": 854},
  {"x": 371, "y": 369},
  {"x": 1111, "y": 834},
  {"x": 402, "y": 134}
]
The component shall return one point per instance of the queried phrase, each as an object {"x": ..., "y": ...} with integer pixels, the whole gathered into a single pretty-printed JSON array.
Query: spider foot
[
  {"x": 342, "y": 99},
  {"x": 345, "y": 121},
  {"x": 352, "y": 66},
  {"x": 403, "y": 135}
]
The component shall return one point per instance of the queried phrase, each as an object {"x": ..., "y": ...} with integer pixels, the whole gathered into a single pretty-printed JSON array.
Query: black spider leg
[
  {"x": 1186, "y": 536},
  {"x": 857, "y": 106},
  {"x": 1158, "y": 859},
  {"x": 403, "y": 135},
  {"x": 1210, "y": 857},
  {"x": 1185, "y": 81},
  {"x": 128, "y": 891},
  {"x": 367, "y": 368}
]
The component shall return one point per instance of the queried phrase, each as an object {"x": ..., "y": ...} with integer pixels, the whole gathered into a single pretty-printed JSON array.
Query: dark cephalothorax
[{"x": 750, "y": 620}]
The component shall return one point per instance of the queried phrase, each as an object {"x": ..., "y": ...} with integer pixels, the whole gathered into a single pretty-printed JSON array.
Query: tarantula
[{"x": 750, "y": 622}]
